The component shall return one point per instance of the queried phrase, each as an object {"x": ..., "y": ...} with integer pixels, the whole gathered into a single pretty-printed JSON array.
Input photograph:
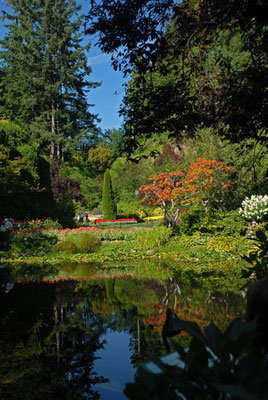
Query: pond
[{"x": 80, "y": 331}]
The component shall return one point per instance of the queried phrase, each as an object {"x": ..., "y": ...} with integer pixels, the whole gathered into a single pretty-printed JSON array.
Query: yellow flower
[{"x": 153, "y": 218}]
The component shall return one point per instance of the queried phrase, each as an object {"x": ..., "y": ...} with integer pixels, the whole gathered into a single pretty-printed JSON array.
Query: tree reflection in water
[
  {"x": 50, "y": 332},
  {"x": 49, "y": 336}
]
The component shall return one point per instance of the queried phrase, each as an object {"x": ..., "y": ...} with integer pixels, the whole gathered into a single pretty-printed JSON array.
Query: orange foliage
[
  {"x": 172, "y": 190},
  {"x": 164, "y": 187},
  {"x": 183, "y": 311},
  {"x": 167, "y": 191},
  {"x": 204, "y": 174}
]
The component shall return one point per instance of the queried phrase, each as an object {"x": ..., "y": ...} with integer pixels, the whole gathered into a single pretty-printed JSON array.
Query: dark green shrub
[
  {"x": 258, "y": 256},
  {"x": 66, "y": 211},
  {"x": 232, "y": 223},
  {"x": 108, "y": 200},
  {"x": 4, "y": 241},
  {"x": 212, "y": 222},
  {"x": 67, "y": 221},
  {"x": 31, "y": 243},
  {"x": 193, "y": 219}
]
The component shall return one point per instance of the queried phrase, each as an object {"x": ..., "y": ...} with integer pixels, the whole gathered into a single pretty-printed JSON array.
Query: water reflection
[
  {"x": 116, "y": 353},
  {"x": 79, "y": 331},
  {"x": 49, "y": 336}
]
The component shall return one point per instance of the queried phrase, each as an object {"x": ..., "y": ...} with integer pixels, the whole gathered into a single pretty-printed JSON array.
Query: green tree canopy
[
  {"x": 193, "y": 64},
  {"x": 44, "y": 74}
]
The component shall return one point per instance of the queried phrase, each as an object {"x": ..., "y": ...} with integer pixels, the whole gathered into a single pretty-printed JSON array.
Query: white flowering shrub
[{"x": 254, "y": 208}]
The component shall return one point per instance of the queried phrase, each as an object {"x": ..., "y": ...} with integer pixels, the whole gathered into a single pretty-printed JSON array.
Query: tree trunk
[
  {"x": 58, "y": 152},
  {"x": 53, "y": 130},
  {"x": 52, "y": 149},
  {"x": 59, "y": 149},
  {"x": 138, "y": 336}
]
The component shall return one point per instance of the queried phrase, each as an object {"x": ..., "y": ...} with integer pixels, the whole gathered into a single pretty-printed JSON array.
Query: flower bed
[
  {"x": 155, "y": 218},
  {"x": 36, "y": 224},
  {"x": 120, "y": 220}
]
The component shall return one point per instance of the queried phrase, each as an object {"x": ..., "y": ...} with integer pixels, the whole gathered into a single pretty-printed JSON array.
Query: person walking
[
  {"x": 82, "y": 216},
  {"x": 8, "y": 225},
  {"x": 86, "y": 220}
]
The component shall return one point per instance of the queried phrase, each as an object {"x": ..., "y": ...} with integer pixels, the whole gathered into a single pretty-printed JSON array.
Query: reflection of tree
[
  {"x": 128, "y": 300},
  {"x": 145, "y": 344},
  {"x": 139, "y": 306},
  {"x": 173, "y": 287},
  {"x": 218, "y": 294},
  {"x": 196, "y": 299},
  {"x": 48, "y": 339},
  {"x": 49, "y": 333}
]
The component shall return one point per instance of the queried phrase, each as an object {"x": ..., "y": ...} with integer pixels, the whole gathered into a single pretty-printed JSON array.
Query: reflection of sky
[{"x": 114, "y": 364}]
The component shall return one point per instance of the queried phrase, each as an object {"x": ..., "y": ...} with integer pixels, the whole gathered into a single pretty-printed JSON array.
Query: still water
[{"x": 80, "y": 332}]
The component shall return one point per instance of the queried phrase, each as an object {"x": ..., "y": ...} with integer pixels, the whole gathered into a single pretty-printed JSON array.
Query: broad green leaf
[
  {"x": 214, "y": 337},
  {"x": 237, "y": 390},
  {"x": 192, "y": 328},
  {"x": 261, "y": 236}
]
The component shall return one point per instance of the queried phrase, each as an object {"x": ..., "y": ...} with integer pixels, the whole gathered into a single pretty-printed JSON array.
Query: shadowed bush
[{"x": 30, "y": 243}]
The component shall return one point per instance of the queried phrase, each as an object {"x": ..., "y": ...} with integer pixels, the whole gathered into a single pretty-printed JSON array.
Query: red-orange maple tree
[
  {"x": 166, "y": 191},
  {"x": 208, "y": 180},
  {"x": 205, "y": 180}
]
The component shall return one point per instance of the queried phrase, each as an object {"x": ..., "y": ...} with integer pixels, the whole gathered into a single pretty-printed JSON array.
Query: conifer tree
[
  {"x": 45, "y": 74},
  {"x": 108, "y": 200}
]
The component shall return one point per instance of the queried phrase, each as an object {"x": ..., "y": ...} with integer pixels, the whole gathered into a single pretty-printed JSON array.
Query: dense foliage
[
  {"x": 45, "y": 74},
  {"x": 44, "y": 111},
  {"x": 193, "y": 64},
  {"x": 192, "y": 143},
  {"x": 194, "y": 70}
]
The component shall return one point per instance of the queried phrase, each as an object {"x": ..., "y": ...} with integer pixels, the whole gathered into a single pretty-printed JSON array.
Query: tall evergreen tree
[
  {"x": 45, "y": 74},
  {"x": 108, "y": 200}
]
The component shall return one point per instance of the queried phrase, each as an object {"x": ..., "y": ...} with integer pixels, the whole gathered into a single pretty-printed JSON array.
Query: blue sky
[{"x": 106, "y": 98}]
